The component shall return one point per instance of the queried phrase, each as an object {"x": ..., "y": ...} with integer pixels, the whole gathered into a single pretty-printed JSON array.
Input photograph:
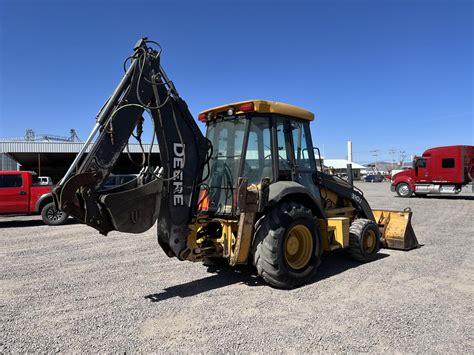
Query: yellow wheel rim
[
  {"x": 298, "y": 247},
  {"x": 369, "y": 241}
]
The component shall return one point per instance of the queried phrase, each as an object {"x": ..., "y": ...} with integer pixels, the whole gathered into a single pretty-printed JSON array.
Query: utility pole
[
  {"x": 392, "y": 153},
  {"x": 39, "y": 164},
  {"x": 375, "y": 154},
  {"x": 403, "y": 155}
]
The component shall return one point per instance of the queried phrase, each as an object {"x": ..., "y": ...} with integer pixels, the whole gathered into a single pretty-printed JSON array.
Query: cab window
[
  {"x": 421, "y": 163},
  {"x": 11, "y": 180},
  {"x": 36, "y": 180},
  {"x": 300, "y": 144},
  {"x": 258, "y": 158},
  {"x": 447, "y": 163},
  {"x": 284, "y": 162}
]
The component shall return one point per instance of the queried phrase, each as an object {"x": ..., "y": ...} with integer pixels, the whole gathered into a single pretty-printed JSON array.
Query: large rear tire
[
  {"x": 52, "y": 216},
  {"x": 287, "y": 246},
  {"x": 364, "y": 240}
]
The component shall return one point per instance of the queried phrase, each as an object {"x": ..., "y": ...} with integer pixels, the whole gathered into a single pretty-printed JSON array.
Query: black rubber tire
[
  {"x": 51, "y": 216},
  {"x": 357, "y": 232},
  {"x": 268, "y": 245},
  {"x": 400, "y": 187}
]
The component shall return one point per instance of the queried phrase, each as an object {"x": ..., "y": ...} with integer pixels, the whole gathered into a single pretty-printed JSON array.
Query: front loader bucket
[{"x": 396, "y": 229}]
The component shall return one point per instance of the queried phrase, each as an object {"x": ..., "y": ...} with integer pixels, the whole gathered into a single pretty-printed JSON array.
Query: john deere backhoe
[{"x": 248, "y": 192}]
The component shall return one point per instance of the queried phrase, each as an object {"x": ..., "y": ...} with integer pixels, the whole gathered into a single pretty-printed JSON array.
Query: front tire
[
  {"x": 404, "y": 190},
  {"x": 364, "y": 240},
  {"x": 287, "y": 246},
  {"x": 52, "y": 216}
]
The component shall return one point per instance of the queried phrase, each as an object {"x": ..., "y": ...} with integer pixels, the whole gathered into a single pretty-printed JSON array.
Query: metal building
[
  {"x": 339, "y": 166},
  {"x": 53, "y": 158},
  {"x": 7, "y": 162}
]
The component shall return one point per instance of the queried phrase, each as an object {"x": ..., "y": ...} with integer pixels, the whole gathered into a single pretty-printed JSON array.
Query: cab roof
[{"x": 261, "y": 106}]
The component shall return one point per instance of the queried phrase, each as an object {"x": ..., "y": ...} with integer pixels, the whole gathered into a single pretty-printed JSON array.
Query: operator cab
[{"x": 254, "y": 139}]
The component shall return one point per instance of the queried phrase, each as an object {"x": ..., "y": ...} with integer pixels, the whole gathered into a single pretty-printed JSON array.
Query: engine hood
[{"x": 404, "y": 174}]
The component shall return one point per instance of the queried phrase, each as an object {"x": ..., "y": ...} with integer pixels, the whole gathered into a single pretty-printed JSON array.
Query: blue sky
[{"x": 384, "y": 74}]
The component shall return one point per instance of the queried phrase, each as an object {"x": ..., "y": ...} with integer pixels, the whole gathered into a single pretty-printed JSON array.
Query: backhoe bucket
[
  {"x": 396, "y": 229},
  {"x": 134, "y": 210}
]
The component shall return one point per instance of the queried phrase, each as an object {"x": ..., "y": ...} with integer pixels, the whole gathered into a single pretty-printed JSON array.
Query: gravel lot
[{"x": 69, "y": 289}]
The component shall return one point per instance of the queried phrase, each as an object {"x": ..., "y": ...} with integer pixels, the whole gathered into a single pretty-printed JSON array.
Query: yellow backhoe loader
[{"x": 249, "y": 191}]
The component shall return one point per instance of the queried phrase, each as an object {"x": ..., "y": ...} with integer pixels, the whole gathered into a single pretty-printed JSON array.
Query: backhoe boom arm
[{"x": 135, "y": 207}]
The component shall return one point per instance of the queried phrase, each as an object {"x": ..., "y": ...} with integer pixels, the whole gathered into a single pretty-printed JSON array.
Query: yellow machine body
[
  {"x": 334, "y": 232},
  {"x": 236, "y": 238},
  {"x": 262, "y": 106}
]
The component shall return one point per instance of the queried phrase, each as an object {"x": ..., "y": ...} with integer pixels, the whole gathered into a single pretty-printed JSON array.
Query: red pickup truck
[
  {"x": 20, "y": 193},
  {"x": 440, "y": 170}
]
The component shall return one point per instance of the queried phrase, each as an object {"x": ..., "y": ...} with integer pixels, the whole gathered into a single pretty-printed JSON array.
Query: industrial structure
[
  {"x": 339, "y": 167},
  {"x": 51, "y": 155}
]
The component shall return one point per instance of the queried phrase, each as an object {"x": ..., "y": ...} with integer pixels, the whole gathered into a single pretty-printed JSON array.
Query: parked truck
[
  {"x": 21, "y": 193},
  {"x": 440, "y": 170}
]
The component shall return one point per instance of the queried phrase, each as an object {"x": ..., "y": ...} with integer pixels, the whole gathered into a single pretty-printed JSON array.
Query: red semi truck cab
[
  {"x": 440, "y": 170},
  {"x": 20, "y": 193}
]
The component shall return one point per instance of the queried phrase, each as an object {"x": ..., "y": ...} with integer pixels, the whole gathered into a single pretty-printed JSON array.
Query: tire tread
[
  {"x": 267, "y": 257},
  {"x": 355, "y": 239}
]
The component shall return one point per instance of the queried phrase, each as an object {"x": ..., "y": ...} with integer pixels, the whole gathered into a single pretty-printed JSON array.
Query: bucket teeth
[{"x": 396, "y": 229}]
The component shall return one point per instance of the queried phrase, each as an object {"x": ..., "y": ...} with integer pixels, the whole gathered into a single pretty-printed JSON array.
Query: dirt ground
[{"x": 69, "y": 289}]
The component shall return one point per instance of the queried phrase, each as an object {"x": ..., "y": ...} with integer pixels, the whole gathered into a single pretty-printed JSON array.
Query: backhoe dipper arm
[{"x": 135, "y": 207}]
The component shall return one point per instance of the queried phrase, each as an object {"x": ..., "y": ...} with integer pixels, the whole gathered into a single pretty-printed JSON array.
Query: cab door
[
  {"x": 422, "y": 170},
  {"x": 295, "y": 152},
  {"x": 13, "y": 194},
  {"x": 284, "y": 150},
  {"x": 303, "y": 155}
]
